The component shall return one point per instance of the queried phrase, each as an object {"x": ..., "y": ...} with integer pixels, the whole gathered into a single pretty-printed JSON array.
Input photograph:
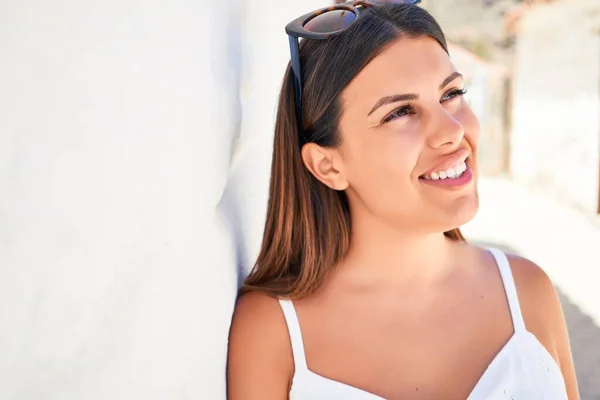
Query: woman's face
[{"x": 407, "y": 134}]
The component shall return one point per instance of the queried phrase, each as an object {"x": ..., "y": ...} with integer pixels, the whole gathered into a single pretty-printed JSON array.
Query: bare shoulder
[
  {"x": 538, "y": 297},
  {"x": 543, "y": 315},
  {"x": 259, "y": 363},
  {"x": 257, "y": 312},
  {"x": 531, "y": 280}
]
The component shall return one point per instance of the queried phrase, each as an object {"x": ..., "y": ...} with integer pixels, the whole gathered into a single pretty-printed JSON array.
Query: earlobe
[{"x": 322, "y": 163}]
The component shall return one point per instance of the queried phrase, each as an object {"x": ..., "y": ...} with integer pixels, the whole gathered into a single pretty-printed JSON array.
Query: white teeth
[{"x": 451, "y": 173}]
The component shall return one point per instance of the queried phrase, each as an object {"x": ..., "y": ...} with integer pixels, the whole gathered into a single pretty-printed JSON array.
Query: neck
[{"x": 380, "y": 252}]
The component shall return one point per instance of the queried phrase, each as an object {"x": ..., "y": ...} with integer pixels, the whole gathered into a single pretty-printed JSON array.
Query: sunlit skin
[{"x": 407, "y": 313}]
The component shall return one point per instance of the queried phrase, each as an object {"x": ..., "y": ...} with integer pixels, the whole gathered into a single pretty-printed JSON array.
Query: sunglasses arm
[{"x": 295, "y": 61}]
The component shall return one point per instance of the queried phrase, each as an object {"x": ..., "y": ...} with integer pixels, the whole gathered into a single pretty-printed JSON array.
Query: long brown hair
[{"x": 308, "y": 226}]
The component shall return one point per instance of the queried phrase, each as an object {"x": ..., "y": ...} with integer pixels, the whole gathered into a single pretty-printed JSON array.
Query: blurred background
[{"x": 135, "y": 143}]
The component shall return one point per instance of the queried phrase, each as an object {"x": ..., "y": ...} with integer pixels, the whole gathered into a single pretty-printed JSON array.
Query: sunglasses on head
[{"x": 323, "y": 24}]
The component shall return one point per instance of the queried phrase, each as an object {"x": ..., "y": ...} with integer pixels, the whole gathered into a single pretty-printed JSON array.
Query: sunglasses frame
[{"x": 295, "y": 30}]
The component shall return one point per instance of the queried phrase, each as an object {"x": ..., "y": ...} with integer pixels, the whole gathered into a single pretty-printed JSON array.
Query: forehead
[{"x": 409, "y": 65}]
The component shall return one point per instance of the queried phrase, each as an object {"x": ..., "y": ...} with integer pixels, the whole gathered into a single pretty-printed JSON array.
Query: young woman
[{"x": 364, "y": 287}]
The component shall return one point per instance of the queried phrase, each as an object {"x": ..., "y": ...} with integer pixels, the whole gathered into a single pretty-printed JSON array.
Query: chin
[
  {"x": 460, "y": 213},
  {"x": 469, "y": 211}
]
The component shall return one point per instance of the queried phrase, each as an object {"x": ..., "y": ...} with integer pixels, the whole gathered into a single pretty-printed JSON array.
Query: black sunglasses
[{"x": 323, "y": 24}]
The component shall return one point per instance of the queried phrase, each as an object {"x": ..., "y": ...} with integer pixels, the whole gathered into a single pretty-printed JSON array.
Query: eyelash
[{"x": 408, "y": 108}]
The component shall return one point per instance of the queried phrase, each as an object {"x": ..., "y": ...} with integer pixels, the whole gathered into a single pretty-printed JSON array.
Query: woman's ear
[{"x": 325, "y": 165}]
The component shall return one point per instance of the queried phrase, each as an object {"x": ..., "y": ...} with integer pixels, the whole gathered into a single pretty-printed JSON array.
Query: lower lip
[{"x": 451, "y": 183}]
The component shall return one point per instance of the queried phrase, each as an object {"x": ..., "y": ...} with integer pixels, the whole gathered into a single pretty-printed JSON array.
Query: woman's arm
[
  {"x": 544, "y": 316},
  {"x": 260, "y": 361}
]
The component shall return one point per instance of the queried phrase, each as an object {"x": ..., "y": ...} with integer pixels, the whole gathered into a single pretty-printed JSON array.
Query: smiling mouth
[{"x": 453, "y": 172}]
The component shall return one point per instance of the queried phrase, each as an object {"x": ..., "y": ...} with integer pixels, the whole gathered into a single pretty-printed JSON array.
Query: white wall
[{"x": 135, "y": 143}]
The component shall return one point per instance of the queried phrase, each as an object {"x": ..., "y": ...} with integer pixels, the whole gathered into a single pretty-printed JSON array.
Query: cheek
[
  {"x": 471, "y": 126},
  {"x": 387, "y": 157},
  {"x": 401, "y": 153}
]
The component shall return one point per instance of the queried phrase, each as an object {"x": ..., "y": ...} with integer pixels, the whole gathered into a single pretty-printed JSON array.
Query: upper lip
[{"x": 449, "y": 161}]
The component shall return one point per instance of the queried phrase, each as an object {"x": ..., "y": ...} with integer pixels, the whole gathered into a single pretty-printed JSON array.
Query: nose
[{"x": 447, "y": 131}]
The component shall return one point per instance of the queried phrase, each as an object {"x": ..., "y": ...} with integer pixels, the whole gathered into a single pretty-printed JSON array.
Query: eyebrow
[{"x": 410, "y": 96}]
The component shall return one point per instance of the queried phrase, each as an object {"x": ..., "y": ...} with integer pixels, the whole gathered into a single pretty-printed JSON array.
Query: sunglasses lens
[{"x": 330, "y": 21}]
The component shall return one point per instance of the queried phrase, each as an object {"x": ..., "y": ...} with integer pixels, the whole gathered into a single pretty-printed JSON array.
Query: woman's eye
[
  {"x": 454, "y": 93},
  {"x": 398, "y": 113},
  {"x": 408, "y": 109}
]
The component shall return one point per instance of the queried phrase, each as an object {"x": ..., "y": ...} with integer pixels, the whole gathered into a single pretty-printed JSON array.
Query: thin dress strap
[
  {"x": 510, "y": 289},
  {"x": 291, "y": 319}
]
